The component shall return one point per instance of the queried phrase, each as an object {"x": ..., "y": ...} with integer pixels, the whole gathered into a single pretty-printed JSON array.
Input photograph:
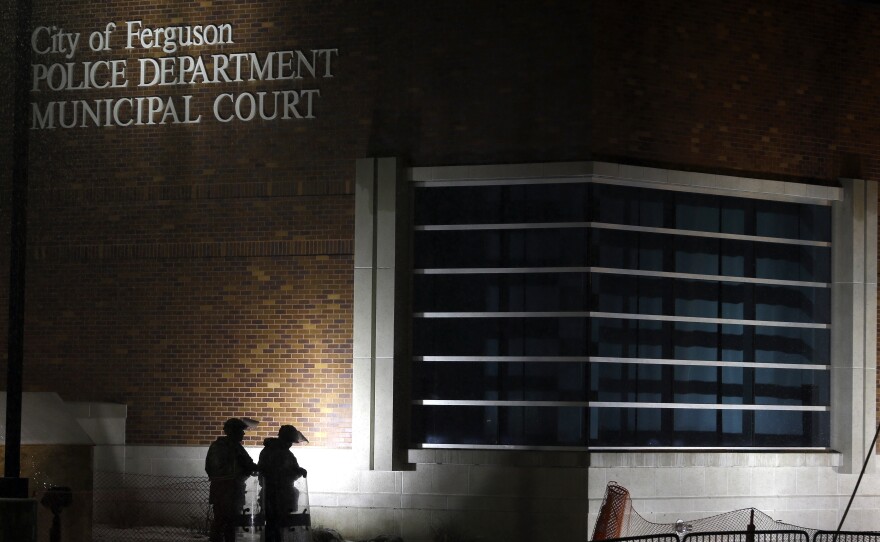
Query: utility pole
[{"x": 12, "y": 485}]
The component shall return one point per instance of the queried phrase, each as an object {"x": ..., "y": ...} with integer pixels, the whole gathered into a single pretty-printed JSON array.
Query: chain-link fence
[{"x": 146, "y": 508}]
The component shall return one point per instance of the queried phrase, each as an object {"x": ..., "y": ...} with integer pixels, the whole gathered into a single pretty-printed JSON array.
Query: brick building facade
[
  {"x": 195, "y": 271},
  {"x": 156, "y": 267}
]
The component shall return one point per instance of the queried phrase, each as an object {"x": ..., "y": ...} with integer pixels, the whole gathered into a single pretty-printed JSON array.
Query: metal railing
[
  {"x": 846, "y": 536},
  {"x": 791, "y": 535},
  {"x": 748, "y": 536}
]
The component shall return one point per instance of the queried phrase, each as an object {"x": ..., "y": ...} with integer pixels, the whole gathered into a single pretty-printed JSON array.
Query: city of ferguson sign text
[{"x": 61, "y": 74}]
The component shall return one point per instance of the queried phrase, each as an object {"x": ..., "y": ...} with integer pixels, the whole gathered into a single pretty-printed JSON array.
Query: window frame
[
  {"x": 479, "y": 228},
  {"x": 854, "y": 285}
]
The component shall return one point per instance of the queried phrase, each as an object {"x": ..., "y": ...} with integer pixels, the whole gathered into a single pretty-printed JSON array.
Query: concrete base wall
[
  {"x": 544, "y": 496},
  {"x": 505, "y": 497}
]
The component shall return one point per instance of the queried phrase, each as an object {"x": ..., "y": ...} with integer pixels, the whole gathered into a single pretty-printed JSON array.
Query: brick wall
[
  {"x": 787, "y": 89},
  {"x": 200, "y": 271}
]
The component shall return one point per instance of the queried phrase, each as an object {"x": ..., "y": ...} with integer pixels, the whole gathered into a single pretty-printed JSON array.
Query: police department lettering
[{"x": 59, "y": 84}]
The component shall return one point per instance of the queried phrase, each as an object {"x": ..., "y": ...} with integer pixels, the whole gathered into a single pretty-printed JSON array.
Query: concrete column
[
  {"x": 376, "y": 318},
  {"x": 854, "y": 322}
]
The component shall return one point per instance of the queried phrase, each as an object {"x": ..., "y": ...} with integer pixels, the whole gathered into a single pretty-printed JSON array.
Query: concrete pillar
[
  {"x": 380, "y": 385},
  {"x": 854, "y": 322}
]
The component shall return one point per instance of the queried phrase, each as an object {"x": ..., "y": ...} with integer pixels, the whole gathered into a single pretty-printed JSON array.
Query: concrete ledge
[
  {"x": 715, "y": 459},
  {"x": 509, "y": 458},
  {"x": 649, "y": 177}
]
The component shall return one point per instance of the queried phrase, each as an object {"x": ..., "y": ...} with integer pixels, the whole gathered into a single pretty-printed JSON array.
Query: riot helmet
[
  {"x": 234, "y": 424},
  {"x": 290, "y": 434}
]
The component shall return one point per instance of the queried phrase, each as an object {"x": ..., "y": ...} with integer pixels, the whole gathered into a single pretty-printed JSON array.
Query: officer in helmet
[
  {"x": 228, "y": 466},
  {"x": 279, "y": 469}
]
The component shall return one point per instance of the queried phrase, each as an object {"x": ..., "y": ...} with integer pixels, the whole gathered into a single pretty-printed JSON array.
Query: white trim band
[
  {"x": 620, "y": 227},
  {"x": 622, "y": 316},
  {"x": 631, "y": 361},
  {"x": 615, "y": 271}
]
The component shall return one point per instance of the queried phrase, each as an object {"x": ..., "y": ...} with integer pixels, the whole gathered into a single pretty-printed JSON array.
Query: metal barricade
[
  {"x": 251, "y": 522},
  {"x": 846, "y": 536},
  {"x": 274, "y": 512},
  {"x": 748, "y": 536},
  {"x": 645, "y": 538}
]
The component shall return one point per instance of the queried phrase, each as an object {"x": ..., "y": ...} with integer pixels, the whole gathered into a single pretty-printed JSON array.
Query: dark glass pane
[
  {"x": 651, "y": 252},
  {"x": 793, "y": 220},
  {"x": 652, "y": 209},
  {"x": 614, "y": 338},
  {"x": 512, "y": 204},
  {"x": 682, "y": 384},
  {"x": 533, "y": 381},
  {"x": 816, "y": 222},
  {"x": 623, "y": 427},
  {"x": 736, "y": 386},
  {"x": 792, "y": 262},
  {"x": 547, "y": 203},
  {"x": 653, "y": 341},
  {"x": 696, "y": 255},
  {"x": 792, "y": 345},
  {"x": 455, "y": 425},
  {"x": 777, "y": 219},
  {"x": 791, "y": 428},
  {"x": 542, "y": 426},
  {"x": 694, "y": 298},
  {"x": 610, "y": 427},
  {"x": 697, "y": 212},
  {"x": 474, "y": 381},
  {"x": 792, "y": 304},
  {"x": 736, "y": 425},
  {"x": 625, "y": 382},
  {"x": 791, "y": 387},
  {"x": 736, "y": 216},
  {"x": 652, "y": 383},
  {"x": 737, "y": 301},
  {"x": 694, "y": 384},
  {"x": 615, "y": 249},
  {"x": 674, "y": 297},
  {"x": 695, "y": 341},
  {"x": 736, "y": 343},
  {"x": 501, "y": 248},
  {"x": 653, "y": 295},
  {"x": 499, "y": 336},
  {"x": 458, "y": 205},
  {"x": 500, "y": 292},
  {"x": 512, "y": 426},
  {"x": 695, "y": 422},
  {"x": 614, "y": 293},
  {"x": 737, "y": 259},
  {"x": 615, "y": 204}
]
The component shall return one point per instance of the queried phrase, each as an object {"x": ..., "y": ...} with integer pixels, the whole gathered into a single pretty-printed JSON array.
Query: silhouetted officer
[
  {"x": 279, "y": 469},
  {"x": 228, "y": 466}
]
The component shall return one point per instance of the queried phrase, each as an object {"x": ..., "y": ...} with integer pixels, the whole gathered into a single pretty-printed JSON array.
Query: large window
[{"x": 549, "y": 313}]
